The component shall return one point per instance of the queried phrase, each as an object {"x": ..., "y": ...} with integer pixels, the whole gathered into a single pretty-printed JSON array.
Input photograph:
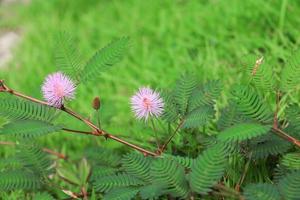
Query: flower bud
[{"x": 96, "y": 103}]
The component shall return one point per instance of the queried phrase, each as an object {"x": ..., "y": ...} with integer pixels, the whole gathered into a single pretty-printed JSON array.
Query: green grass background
[{"x": 168, "y": 37}]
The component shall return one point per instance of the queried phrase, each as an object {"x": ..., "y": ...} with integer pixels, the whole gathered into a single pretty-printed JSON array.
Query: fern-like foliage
[
  {"x": 259, "y": 71},
  {"x": 67, "y": 57},
  {"x": 171, "y": 174},
  {"x": 208, "y": 169},
  {"x": 184, "y": 161},
  {"x": 152, "y": 191},
  {"x": 106, "y": 183},
  {"x": 191, "y": 102},
  {"x": 18, "y": 109},
  {"x": 33, "y": 158},
  {"x": 291, "y": 161},
  {"x": 102, "y": 156},
  {"x": 290, "y": 75},
  {"x": 123, "y": 193},
  {"x": 137, "y": 165},
  {"x": 43, "y": 196},
  {"x": 20, "y": 179},
  {"x": 199, "y": 117},
  {"x": 251, "y": 104},
  {"x": 269, "y": 144},
  {"x": 11, "y": 162},
  {"x": 101, "y": 171},
  {"x": 183, "y": 91},
  {"x": 29, "y": 128},
  {"x": 293, "y": 117},
  {"x": 171, "y": 112},
  {"x": 244, "y": 131},
  {"x": 230, "y": 116},
  {"x": 289, "y": 186},
  {"x": 206, "y": 94},
  {"x": 261, "y": 191},
  {"x": 105, "y": 58}
]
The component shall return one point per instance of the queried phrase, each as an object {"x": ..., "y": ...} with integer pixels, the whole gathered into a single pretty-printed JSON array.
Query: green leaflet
[
  {"x": 43, "y": 196},
  {"x": 290, "y": 75},
  {"x": 261, "y": 191},
  {"x": 230, "y": 116},
  {"x": 183, "y": 91},
  {"x": 34, "y": 159},
  {"x": 199, "y": 117},
  {"x": 251, "y": 104},
  {"x": 170, "y": 174},
  {"x": 208, "y": 169},
  {"x": 101, "y": 171},
  {"x": 102, "y": 156},
  {"x": 67, "y": 57},
  {"x": 152, "y": 191},
  {"x": 289, "y": 186},
  {"x": 184, "y": 161},
  {"x": 19, "y": 109},
  {"x": 269, "y": 144},
  {"x": 19, "y": 179},
  {"x": 104, "y": 59},
  {"x": 291, "y": 161},
  {"x": 205, "y": 95},
  {"x": 170, "y": 109},
  {"x": 259, "y": 72},
  {"x": 126, "y": 193},
  {"x": 106, "y": 183},
  {"x": 29, "y": 128},
  {"x": 244, "y": 131},
  {"x": 137, "y": 165}
]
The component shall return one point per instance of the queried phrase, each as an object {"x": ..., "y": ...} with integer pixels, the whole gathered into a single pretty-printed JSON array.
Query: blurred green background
[{"x": 168, "y": 37}]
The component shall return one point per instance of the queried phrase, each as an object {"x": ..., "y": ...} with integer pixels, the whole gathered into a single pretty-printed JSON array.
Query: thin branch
[
  {"x": 284, "y": 135},
  {"x": 77, "y": 131},
  {"x": 170, "y": 138},
  {"x": 275, "y": 127},
  {"x": 238, "y": 185},
  {"x": 155, "y": 133},
  {"x": 49, "y": 151},
  {"x": 96, "y": 130},
  {"x": 58, "y": 155},
  {"x": 7, "y": 143}
]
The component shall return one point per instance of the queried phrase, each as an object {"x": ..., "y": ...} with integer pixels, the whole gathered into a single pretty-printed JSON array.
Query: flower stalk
[{"x": 96, "y": 130}]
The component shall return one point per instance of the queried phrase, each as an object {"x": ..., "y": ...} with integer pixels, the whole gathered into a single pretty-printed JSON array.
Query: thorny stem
[
  {"x": 96, "y": 130},
  {"x": 49, "y": 151},
  {"x": 170, "y": 138}
]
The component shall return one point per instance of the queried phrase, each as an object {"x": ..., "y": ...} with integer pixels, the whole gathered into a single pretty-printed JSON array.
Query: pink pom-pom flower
[
  {"x": 147, "y": 103},
  {"x": 58, "y": 87}
]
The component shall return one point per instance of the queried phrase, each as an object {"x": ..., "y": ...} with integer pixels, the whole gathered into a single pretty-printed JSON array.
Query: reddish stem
[
  {"x": 49, "y": 151},
  {"x": 170, "y": 138},
  {"x": 275, "y": 127},
  {"x": 97, "y": 131}
]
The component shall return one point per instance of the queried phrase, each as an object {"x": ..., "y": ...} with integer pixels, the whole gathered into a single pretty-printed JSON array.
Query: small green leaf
[
  {"x": 104, "y": 59},
  {"x": 244, "y": 131},
  {"x": 29, "y": 128}
]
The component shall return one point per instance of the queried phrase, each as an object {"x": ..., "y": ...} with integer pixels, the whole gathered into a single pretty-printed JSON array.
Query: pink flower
[
  {"x": 146, "y": 102},
  {"x": 58, "y": 87}
]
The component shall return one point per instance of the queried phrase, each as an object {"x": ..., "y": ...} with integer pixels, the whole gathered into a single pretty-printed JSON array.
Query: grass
[{"x": 168, "y": 38}]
